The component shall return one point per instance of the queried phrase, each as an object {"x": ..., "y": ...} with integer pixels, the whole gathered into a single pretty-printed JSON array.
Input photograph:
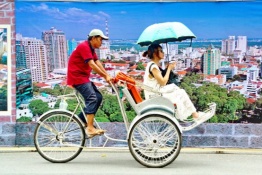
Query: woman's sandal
[{"x": 203, "y": 116}]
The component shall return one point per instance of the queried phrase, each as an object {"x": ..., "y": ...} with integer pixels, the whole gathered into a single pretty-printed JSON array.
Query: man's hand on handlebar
[{"x": 108, "y": 78}]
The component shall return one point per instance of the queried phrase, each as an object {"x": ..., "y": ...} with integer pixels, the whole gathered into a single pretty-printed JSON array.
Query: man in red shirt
[{"x": 82, "y": 61}]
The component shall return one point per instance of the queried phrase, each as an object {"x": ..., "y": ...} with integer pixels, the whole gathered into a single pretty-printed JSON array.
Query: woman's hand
[{"x": 172, "y": 65}]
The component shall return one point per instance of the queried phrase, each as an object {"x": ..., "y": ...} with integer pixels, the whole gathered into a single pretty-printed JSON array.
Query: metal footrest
[{"x": 210, "y": 112}]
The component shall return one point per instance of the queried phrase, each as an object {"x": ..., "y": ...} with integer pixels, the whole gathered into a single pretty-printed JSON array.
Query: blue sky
[{"x": 127, "y": 20}]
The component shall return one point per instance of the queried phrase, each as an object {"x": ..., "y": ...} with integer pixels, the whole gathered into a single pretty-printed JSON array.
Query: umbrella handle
[{"x": 167, "y": 55}]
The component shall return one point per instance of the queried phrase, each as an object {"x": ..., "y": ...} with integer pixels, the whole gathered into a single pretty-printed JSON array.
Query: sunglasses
[{"x": 160, "y": 50}]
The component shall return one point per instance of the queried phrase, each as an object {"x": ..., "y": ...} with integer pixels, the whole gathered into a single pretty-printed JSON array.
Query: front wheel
[
  {"x": 154, "y": 141},
  {"x": 59, "y": 137}
]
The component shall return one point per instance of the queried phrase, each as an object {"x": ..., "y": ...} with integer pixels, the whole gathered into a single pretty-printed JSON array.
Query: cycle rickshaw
[{"x": 154, "y": 137}]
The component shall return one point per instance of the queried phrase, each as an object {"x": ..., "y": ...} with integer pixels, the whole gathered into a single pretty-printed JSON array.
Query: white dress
[{"x": 172, "y": 92}]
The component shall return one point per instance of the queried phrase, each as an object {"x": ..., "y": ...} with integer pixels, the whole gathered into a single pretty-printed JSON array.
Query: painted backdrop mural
[
  {"x": 223, "y": 64},
  {"x": 5, "y": 69}
]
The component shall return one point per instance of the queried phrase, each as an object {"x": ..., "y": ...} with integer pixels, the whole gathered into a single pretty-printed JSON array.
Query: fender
[
  {"x": 155, "y": 111},
  {"x": 60, "y": 110}
]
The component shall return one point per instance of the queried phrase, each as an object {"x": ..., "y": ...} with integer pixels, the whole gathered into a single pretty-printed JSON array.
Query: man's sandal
[{"x": 96, "y": 133}]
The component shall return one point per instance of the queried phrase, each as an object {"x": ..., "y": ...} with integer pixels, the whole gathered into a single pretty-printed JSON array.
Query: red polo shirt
[{"x": 78, "y": 70}]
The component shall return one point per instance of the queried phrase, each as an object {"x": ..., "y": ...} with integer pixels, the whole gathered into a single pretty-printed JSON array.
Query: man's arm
[
  {"x": 98, "y": 70},
  {"x": 99, "y": 64}
]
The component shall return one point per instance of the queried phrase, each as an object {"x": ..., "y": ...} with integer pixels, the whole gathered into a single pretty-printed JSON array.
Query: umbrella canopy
[{"x": 164, "y": 33}]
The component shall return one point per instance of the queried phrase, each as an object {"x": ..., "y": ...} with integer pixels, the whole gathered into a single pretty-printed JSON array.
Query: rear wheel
[
  {"x": 59, "y": 137},
  {"x": 155, "y": 141}
]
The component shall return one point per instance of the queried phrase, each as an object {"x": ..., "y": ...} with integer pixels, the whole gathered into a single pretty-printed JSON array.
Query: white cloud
[
  {"x": 77, "y": 13},
  {"x": 72, "y": 14},
  {"x": 41, "y": 7},
  {"x": 104, "y": 14}
]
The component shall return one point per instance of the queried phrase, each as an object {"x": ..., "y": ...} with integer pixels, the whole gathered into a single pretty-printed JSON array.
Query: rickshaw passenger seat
[
  {"x": 130, "y": 86},
  {"x": 134, "y": 93}
]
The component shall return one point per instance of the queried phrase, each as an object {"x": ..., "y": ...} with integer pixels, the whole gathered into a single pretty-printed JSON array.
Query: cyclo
[{"x": 154, "y": 136}]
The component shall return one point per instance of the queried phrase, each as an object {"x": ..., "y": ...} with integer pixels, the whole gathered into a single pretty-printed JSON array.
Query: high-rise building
[
  {"x": 242, "y": 43},
  {"x": 228, "y": 71},
  {"x": 252, "y": 73},
  {"x": 252, "y": 90},
  {"x": 173, "y": 49},
  {"x": 228, "y": 45},
  {"x": 56, "y": 48},
  {"x": 188, "y": 63},
  {"x": 211, "y": 60},
  {"x": 24, "y": 87},
  {"x": 103, "y": 52},
  {"x": 170, "y": 51},
  {"x": 35, "y": 55},
  {"x": 231, "y": 44},
  {"x": 188, "y": 51},
  {"x": 20, "y": 55},
  {"x": 71, "y": 45}
]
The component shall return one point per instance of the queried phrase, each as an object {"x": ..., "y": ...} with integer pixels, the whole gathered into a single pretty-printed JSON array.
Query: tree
[
  {"x": 101, "y": 116},
  {"x": 140, "y": 66},
  {"x": 38, "y": 107},
  {"x": 116, "y": 117},
  {"x": 236, "y": 78},
  {"x": 46, "y": 90},
  {"x": 100, "y": 113},
  {"x": 241, "y": 100},
  {"x": 259, "y": 103},
  {"x": 110, "y": 104},
  {"x": 227, "y": 103},
  {"x": 24, "y": 119},
  {"x": 192, "y": 78},
  {"x": 72, "y": 103},
  {"x": 131, "y": 115},
  {"x": 102, "y": 119},
  {"x": 57, "y": 90},
  {"x": 36, "y": 89},
  {"x": 118, "y": 61},
  {"x": 230, "y": 108},
  {"x": 103, "y": 60},
  {"x": 68, "y": 90},
  {"x": 3, "y": 98},
  {"x": 111, "y": 109}
]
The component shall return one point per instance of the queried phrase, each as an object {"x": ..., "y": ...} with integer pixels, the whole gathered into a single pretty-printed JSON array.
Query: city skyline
[{"x": 128, "y": 20}]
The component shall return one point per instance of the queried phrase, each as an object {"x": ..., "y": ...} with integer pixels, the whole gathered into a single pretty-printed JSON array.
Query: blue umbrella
[{"x": 164, "y": 33}]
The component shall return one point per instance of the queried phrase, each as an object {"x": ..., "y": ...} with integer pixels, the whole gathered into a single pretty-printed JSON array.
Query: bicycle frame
[{"x": 144, "y": 108}]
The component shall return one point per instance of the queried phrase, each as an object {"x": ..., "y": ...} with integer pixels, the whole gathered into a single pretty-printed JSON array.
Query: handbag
[{"x": 173, "y": 78}]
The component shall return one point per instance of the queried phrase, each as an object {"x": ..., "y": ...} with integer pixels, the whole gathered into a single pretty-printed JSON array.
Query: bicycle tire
[
  {"x": 155, "y": 141},
  {"x": 56, "y": 145}
]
